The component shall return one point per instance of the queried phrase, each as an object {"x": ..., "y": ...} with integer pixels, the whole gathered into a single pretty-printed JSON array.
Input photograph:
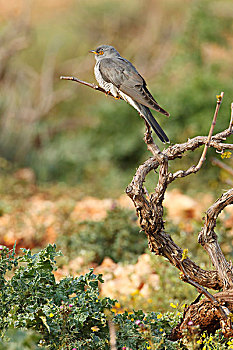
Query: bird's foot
[
  {"x": 107, "y": 93},
  {"x": 117, "y": 97}
]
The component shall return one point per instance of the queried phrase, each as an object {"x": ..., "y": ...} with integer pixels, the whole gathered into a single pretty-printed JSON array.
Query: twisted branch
[
  {"x": 208, "y": 239},
  {"x": 149, "y": 209}
]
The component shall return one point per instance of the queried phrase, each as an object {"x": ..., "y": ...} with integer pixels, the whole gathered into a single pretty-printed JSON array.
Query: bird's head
[{"x": 105, "y": 51}]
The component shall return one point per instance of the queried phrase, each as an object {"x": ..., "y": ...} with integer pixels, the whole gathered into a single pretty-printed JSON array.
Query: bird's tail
[{"x": 146, "y": 113}]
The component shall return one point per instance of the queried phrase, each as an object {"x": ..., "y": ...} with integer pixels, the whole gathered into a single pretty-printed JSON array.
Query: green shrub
[
  {"x": 117, "y": 236},
  {"x": 63, "y": 313},
  {"x": 68, "y": 314},
  {"x": 142, "y": 331},
  {"x": 37, "y": 311}
]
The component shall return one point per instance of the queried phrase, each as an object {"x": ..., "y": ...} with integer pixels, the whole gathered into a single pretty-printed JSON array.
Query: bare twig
[
  {"x": 177, "y": 150},
  {"x": 93, "y": 86},
  {"x": 193, "y": 169},
  {"x": 203, "y": 156}
]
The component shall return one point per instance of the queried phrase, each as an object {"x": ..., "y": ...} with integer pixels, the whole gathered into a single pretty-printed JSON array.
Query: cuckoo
[{"x": 116, "y": 75}]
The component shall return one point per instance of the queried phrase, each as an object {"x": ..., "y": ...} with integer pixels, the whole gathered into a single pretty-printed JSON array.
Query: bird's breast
[{"x": 103, "y": 83}]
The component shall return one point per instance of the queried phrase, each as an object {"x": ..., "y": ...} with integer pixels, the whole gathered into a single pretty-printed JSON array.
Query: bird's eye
[{"x": 101, "y": 52}]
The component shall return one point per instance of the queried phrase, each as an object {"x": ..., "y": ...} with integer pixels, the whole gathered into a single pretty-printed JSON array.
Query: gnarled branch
[{"x": 149, "y": 209}]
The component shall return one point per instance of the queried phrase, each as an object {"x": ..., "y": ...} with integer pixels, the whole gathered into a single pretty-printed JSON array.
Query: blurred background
[
  {"x": 69, "y": 133},
  {"x": 61, "y": 141}
]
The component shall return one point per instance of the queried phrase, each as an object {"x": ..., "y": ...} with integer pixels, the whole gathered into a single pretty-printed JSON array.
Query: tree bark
[{"x": 214, "y": 311}]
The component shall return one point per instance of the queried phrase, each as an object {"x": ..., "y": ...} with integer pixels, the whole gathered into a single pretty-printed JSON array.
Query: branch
[
  {"x": 208, "y": 239},
  {"x": 176, "y": 151},
  {"x": 193, "y": 169},
  {"x": 93, "y": 86},
  {"x": 185, "y": 277},
  {"x": 150, "y": 208},
  {"x": 225, "y": 200},
  {"x": 162, "y": 157},
  {"x": 203, "y": 156}
]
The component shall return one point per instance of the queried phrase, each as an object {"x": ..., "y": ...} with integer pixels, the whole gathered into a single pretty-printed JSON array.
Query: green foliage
[
  {"x": 67, "y": 314},
  {"x": 38, "y": 312},
  {"x": 140, "y": 331},
  {"x": 216, "y": 342},
  {"x": 117, "y": 236},
  {"x": 63, "y": 313}
]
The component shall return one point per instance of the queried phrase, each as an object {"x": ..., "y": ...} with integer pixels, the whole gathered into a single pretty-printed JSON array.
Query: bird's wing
[{"x": 122, "y": 74}]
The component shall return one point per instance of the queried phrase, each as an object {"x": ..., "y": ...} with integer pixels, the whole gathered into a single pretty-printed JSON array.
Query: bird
[{"x": 118, "y": 76}]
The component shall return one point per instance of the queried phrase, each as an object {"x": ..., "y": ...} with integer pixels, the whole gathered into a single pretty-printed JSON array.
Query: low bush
[
  {"x": 39, "y": 312},
  {"x": 117, "y": 236},
  {"x": 64, "y": 313}
]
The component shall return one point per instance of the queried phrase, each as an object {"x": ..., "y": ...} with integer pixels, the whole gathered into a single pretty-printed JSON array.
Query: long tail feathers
[
  {"x": 161, "y": 110},
  {"x": 154, "y": 104},
  {"x": 146, "y": 113}
]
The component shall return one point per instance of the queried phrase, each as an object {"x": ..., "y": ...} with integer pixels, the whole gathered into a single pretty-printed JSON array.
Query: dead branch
[
  {"x": 208, "y": 239},
  {"x": 93, "y": 86},
  {"x": 184, "y": 276},
  {"x": 203, "y": 156},
  {"x": 149, "y": 209},
  {"x": 150, "y": 212},
  {"x": 193, "y": 169}
]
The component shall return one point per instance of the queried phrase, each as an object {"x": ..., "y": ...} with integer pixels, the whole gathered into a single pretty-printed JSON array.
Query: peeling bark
[{"x": 213, "y": 312}]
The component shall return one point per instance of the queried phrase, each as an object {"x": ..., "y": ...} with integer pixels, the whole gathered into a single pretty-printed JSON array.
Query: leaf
[{"x": 93, "y": 284}]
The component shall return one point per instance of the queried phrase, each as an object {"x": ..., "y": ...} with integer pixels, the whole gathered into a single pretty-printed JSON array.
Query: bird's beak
[{"x": 93, "y": 51}]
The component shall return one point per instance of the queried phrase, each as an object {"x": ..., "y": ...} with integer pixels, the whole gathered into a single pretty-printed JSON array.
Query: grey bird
[{"x": 118, "y": 76}]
